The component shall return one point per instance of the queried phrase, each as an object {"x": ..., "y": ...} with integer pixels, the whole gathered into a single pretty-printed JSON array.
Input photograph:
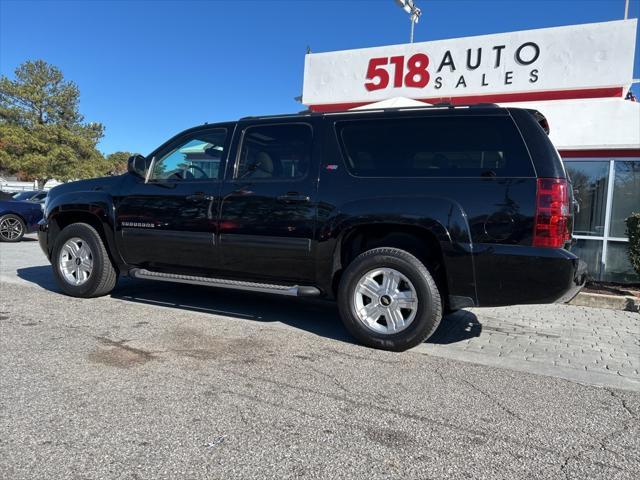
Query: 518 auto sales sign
[{"x": 580, "y": 61}]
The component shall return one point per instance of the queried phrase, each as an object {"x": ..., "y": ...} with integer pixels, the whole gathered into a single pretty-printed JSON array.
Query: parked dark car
[
  {"x": 400, "y": 215},
  {"x": 35, "y": 196},
  {"x": 18, "y": 218}
]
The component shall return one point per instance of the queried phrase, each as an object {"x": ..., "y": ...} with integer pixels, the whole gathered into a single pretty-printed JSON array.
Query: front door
[
  {"x": 268, "y": 204},
  {"x": 168, "y": 221}
]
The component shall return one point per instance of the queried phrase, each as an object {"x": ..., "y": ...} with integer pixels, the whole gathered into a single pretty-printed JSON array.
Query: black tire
[
  {"x": 103, "y": 276},
  {"x": 429, "y": 310},
  {"x": 7, "y": 237}
]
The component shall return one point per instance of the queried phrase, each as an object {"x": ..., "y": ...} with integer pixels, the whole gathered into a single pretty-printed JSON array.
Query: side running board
[{"x": 293, "y": 291}]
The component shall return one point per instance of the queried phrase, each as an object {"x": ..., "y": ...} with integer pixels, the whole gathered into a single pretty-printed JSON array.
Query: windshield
[{"x": 23, "y": 195}]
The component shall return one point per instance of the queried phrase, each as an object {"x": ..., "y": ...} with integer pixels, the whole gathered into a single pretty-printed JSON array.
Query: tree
[
  {"x": 42, "y": 133},
  {"x": 633, "y": 230},
  {"x": 117, "y": 162}
]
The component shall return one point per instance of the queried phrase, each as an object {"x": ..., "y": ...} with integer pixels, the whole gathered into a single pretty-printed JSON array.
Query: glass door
[{"x": 607, "y": 191}]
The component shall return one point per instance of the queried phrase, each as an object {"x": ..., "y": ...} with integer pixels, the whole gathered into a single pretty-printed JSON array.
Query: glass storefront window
[
  {"x": 589, "y": 181},
  {"x": 591, "y": 252},
  {"x": 626, "y": 196},
  {"x": 600, "y": 197},
  {"x": 618, "y": 267},
  {"x": 597, "y": 199}
]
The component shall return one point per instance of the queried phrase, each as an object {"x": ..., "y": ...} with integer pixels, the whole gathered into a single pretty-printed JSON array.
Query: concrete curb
[{"x": 613, "y": 302}]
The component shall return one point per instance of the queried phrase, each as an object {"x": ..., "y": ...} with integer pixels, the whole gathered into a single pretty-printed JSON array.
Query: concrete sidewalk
[{"x": 588, "y": 345}]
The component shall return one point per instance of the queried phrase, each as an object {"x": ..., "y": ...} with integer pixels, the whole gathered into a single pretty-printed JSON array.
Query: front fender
[{"x": 99, "y": 205}]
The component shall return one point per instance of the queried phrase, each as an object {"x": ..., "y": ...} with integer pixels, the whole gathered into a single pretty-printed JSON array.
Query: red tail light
[{"x": 551, "y": 227}]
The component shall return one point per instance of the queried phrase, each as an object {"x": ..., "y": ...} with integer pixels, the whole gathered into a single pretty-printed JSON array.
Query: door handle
[
  {"x": 292, "y": 197},
  {"x": 199, "y": 197}
]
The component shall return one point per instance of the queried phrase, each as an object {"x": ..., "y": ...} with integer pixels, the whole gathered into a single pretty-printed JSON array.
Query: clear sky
[{"x": 149, "y": 69}]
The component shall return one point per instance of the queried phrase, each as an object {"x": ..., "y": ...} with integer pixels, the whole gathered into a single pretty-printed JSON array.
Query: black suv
[{"x": 398, "y": 214}]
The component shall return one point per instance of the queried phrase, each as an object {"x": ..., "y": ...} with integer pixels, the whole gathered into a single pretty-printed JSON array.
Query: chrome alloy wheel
[
  {"x": 75, "y": 261},
  {"x": 385, "y": 301},
  {"x": 10, "y": 228}
]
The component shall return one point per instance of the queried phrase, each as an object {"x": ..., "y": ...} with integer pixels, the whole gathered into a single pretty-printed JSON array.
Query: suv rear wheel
[
  {"x": 81, "y": 264},
  {"x": 389, "y": 300}
]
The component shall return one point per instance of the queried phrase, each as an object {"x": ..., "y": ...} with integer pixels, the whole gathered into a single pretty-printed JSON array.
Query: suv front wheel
[
  {"x": 81, "y": 264},
  {"x": 389, "y": 300}
]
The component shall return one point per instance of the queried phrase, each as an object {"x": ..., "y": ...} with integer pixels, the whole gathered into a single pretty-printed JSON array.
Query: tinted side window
[
  {"x": 197, "y": 157},
  {"x": 434, "y": 147},
  {"x": 275, "y": 152}
]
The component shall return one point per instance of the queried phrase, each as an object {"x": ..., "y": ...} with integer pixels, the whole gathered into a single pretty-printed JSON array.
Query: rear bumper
[
  {"x": 33, "y": 221},
  {"x": 513, "y": 275},
  {"x": 578, "y": 281},
  {"x": 32, "y": 227}
]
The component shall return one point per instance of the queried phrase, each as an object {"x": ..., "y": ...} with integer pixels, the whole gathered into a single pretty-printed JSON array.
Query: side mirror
[{"x": 137, "y": 164}]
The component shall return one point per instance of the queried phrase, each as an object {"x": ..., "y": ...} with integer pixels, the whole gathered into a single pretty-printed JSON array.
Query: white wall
[{"x": 590, "y": 124}]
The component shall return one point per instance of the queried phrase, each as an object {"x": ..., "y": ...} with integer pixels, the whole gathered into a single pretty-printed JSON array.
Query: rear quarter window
[{"x": 434, "y": 147}]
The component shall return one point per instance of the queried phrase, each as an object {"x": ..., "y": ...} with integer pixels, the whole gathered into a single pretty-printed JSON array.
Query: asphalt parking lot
[{"x": 171, "y": 381}]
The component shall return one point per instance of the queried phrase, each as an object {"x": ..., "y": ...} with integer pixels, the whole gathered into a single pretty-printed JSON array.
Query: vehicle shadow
[
  {"x": 315, "y": 316},
  {"x": 456, "y": 327},
  {"x": 41, "y": 276}
]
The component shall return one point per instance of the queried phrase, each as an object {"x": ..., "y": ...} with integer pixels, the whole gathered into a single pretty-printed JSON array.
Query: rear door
[
  {"x": 169, "y": 221},
  {"x": 268, "y": 203}
]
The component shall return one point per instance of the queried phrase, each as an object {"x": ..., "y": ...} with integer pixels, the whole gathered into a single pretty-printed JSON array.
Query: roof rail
[
  {"x": 484, "y": 105},
  {"x": 443, "y": 104},
  {"x": 309, "y": 113},
  {"x": 304, "y": 113}
]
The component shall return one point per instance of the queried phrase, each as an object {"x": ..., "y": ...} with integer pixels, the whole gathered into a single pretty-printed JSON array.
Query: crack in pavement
[
  {"x": 493, "y": 400},
  {"x": 121, "y": 344},
  {"x": 326, "y": 375},
  {"x": 601, "y": 443},
  {"x": 622, "y": 401},
  {"x": 410, "y": 416}
]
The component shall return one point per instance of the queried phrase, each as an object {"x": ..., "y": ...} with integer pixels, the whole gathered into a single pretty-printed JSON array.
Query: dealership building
[{"x": 577, "y": 76}]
